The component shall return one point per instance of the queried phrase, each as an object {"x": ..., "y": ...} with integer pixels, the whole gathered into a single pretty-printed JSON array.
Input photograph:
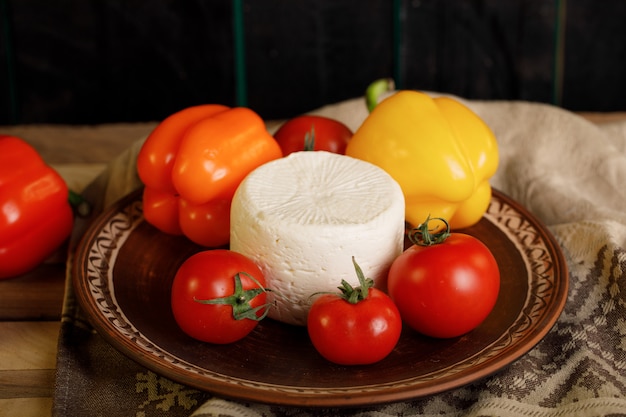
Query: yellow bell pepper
[{"x": 439, "y": 151}]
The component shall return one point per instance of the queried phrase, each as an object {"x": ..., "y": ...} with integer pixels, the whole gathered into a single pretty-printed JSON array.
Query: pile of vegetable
[{"x": 442, "y": 155}]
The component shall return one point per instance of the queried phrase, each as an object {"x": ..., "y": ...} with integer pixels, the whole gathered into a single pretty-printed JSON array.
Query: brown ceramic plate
[{"x": 123, "y": 273}]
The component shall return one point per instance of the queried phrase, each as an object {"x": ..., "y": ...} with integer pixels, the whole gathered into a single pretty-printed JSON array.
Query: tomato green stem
[
  {"x": 309, "y": 139},
  {"x": 423, "y": 236},
  {"x": 349, "y": 293},
  {"x": 240, "y": 300},
  {"x": 376, "y": 89},
  {"x": 360, "y": 293}
]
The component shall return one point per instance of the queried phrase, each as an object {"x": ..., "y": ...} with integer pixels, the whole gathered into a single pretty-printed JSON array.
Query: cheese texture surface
[{"x": 303, "y": 217}]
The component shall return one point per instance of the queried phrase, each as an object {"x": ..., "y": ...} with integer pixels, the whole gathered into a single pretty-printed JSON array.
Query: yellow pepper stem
[{"x": 376, "y": 89}]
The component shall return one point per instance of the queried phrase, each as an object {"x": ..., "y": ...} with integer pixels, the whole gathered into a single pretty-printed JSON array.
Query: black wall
[{"x": 96, "y": 61}]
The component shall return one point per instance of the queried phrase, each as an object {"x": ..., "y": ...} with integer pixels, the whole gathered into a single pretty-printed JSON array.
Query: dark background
[{"x": 97, "y": 61}]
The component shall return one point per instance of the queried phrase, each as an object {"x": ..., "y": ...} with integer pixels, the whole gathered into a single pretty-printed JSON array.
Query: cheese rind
[{"x": 303, "y": 217}]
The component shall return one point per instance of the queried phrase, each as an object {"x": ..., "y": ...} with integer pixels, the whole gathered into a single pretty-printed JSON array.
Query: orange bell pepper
[
  {"x": 191, "y": 165},
  {"x": 35, "y": 214}
]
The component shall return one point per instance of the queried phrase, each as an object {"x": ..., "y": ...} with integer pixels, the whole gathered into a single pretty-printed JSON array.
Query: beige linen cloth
[{"x": 572, "y": 175}]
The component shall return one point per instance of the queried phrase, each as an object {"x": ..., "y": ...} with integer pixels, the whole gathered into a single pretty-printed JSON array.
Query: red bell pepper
[{"x": 35, "y": 214}]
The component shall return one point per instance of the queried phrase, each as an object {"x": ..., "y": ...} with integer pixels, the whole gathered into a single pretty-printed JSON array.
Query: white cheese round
[{"x": 303, "y": 217}]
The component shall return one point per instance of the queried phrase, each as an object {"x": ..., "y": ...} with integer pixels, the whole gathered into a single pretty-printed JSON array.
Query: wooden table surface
[{"x": 30, "y": 305}]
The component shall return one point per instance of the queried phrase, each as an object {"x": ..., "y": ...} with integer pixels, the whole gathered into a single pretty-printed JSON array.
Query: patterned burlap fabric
[{"x": 569, "y": 172}]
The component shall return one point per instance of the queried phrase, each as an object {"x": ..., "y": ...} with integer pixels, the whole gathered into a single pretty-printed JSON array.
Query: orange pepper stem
[{"x": 423, "y": 236}]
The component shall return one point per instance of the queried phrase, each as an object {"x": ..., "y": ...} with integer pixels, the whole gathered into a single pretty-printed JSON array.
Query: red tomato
[
  {"x": 327, "y": 135},
  {"x": 445, "y": 289},
  {"x": 354, "y": 333},
  {"x": 206, "y": 299}
]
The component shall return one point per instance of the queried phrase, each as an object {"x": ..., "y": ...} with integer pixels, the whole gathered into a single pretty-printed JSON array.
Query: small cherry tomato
[
  {"x": 313, "y": 133},
  {"x": 358, "y": 326},
  {"x": 446, "y": 284},
  {"x": 218, "y": 296}
]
